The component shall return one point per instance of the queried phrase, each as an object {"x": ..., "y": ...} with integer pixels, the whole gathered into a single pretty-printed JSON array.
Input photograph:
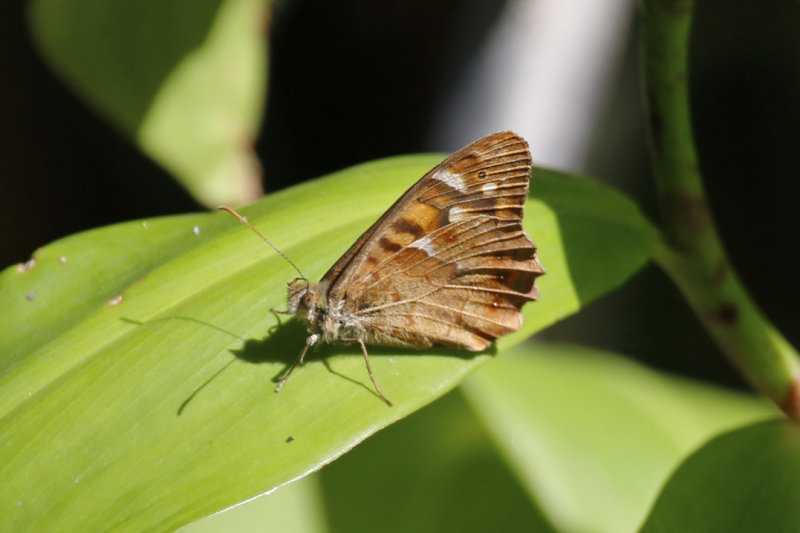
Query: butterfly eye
[
  {"x": 308, "y": 300},
  {"x": 481, "y": 174}
]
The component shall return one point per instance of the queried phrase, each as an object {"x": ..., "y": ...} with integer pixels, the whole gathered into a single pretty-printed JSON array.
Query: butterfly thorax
[{"x": 307, "y": 301}]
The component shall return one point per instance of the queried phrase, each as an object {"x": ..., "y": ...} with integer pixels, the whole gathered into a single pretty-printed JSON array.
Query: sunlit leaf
[
  {"x": 594, "y": 436},
  {"x": 185, "y": 80},
  {"x": 137, "y": 373}
]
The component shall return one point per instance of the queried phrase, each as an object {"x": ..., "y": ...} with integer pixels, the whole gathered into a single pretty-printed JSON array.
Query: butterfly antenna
[{"x": 244, "y": 221}]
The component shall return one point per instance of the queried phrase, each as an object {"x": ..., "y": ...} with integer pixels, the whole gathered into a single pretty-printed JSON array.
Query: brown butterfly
[{"x": 449, "y": 264}]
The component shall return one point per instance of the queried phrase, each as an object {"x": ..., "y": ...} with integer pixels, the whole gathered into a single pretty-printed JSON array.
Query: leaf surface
[
  {"x": 137, "y": 376},
  {"x": 184, "y": 80},
  {"x": 746, "y": 480},
  {"x": 593, "y": 436}
]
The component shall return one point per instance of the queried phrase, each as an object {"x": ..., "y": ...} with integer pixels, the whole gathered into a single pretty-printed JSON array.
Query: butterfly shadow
[
  {"x": 283, "y": 344},
  {"x": 286, "y": 339}
]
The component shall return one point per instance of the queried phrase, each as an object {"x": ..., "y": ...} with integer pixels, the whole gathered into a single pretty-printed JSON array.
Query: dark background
[{"x": 357, "y": 80}]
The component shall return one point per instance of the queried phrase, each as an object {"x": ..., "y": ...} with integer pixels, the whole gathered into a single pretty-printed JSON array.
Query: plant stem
[{"x": 691, "y": 252}]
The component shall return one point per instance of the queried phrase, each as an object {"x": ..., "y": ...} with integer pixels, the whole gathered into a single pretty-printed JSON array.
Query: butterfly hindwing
[{"x": 449, "y": 263}]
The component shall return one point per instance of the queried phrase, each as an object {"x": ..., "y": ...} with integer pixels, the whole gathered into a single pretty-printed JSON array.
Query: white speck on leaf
[{"x": 26, "y": 266}]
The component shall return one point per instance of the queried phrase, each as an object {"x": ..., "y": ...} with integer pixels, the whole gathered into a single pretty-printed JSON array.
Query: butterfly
[{"x": 449, "y": 263}]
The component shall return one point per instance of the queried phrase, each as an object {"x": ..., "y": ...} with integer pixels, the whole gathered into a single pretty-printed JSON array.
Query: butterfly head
[{"x": 304, "y": 299}]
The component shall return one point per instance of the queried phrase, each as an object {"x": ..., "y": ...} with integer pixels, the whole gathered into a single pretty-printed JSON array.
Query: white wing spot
[
  {"x": 456, "y": 213},
  {"x": 488, "y": 187},
  {"x": 423, "y": 244},
  {"x": 454, "y": 180}
]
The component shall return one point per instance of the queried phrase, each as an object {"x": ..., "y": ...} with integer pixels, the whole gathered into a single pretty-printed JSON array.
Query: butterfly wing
[{"x": 449, "y": 263}]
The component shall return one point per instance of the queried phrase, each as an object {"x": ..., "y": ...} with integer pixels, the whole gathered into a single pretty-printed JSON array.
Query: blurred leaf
[
  {"x": 296, "y": 508},
  {"x": 594, "y": 436},
  {"x": 435, "y": 471},
  {"x": 745, "y": 481},
  {"x": 183, "y": 79},
  {"x": 137, "y": 376}
]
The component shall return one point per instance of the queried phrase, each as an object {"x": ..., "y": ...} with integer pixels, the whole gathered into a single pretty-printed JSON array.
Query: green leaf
[
  {"x": 603, "y": 235},
  {"x": 594, "y": 436},
  {"x": 435, "y": 471},
  {"x": 183, "y": 79},
  {"x": 296, "y": 508},
  {"x": 744, "y": 481},
  {"x": 137, "y": 376},
  {"x": 439, "y": 470}
]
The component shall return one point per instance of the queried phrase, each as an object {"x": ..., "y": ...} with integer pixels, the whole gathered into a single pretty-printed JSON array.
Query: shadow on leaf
[{"x": 284, "y": 342}]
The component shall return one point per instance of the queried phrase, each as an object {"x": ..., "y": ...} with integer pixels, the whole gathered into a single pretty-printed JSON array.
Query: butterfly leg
[
  {"x": 277, "y": 312},
  {"x": 310, "y": 341},
  {"x": 369, "y": 368}
]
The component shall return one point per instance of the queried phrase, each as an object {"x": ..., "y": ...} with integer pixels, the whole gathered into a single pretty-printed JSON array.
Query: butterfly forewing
[{"x": 449, "y": 263}]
